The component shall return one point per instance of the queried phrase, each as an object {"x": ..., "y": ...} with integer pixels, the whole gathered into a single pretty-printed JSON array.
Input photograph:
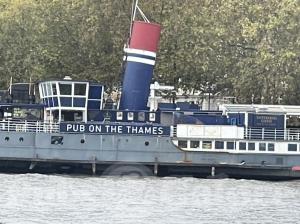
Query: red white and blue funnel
[{"x": 139, "y": 64}]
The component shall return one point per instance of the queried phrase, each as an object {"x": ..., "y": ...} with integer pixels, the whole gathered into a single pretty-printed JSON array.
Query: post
[
  {"x": 156, "y": 166},
  {"x": 94, "y": 168},
  {"x": 94, "y": 165},
  {"x": 209, "y": 100},
  {"x": 213, "y": 171}
]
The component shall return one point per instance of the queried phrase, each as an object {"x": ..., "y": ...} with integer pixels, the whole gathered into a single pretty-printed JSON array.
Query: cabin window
[
  {"x": 182, "y": 144},
  {"x": 262, "y": 146},
  {"x": 152, "y": 117},
  {"x": 293, "y": 121},
  {"x": 230, "y": 145},
  {"x": 141, "y": 116},
  {"x": 78, "y": 116},
  {"x": 271, "y": 147},
  {"x": 44, "y": 89},
  {"x": 119, "y": 115},
  {"x": 49, "y": 89},
  {"x": 130, "y": 116},
  {"x": 206, "y": 145},
  {"x": 54, "y": 89},
  {"x": 242, "y": 145},
  {"x": 65, "y": 89},
  {"x": 26, "y": 113},
  {"x": 219, "y": 145},
  {"x": 79, "y": 89},
  {"x": 251, "y": 146},
  {"x": 292, "y": 147},
  {"x": 194, "y": 144}
]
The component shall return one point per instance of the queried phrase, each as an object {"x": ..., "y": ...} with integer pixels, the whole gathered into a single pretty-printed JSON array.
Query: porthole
[
  {"x": 21, "y": 139},
  {"x": 7, "y": 139},
  {"x": 82, "y": 141},
  {"x": 146, "y": 143}
]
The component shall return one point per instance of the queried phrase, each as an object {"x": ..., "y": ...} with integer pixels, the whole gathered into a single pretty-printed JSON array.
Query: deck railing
[
  {"x": 272, "y": 134},
  {"x": 29, "y": 126}
]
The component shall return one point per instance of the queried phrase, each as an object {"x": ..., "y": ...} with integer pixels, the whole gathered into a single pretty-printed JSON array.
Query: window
[
  {"x": 49, "y": 89},
  {"x": 119, "y": 115},
  {"x": 182, "y": 144},
  {"x": 78, "y": 116},
  {"x": 79, "y": 89},
  {"x": 54, "y": 89},
  {"x": 271, "y": 147},
  {"x": 130, "y": 116},
  {"x": 242, "y": 146},
  {"x": 292, "y": 147},
  {"x": 195, "y": 144},
  {"x": 44, "y": 89},
  {"x": 251, "y": 146},
  {"x": 65, "y": 89},
  {"x": 206, "y": 145},
  {"x": 230, "y": 145},
  {"x": 262, "y": 146},
  {"x": 219, "y": 145},
  {"x": 141, "y": 116},
  {"x": 152, "y": 117}
]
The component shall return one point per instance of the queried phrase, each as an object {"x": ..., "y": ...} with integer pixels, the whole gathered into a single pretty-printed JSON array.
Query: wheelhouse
[{"x": 69, "y": 100}]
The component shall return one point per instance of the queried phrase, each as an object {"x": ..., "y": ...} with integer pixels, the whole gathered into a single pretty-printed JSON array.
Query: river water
[{"x": 36, "y": 198}]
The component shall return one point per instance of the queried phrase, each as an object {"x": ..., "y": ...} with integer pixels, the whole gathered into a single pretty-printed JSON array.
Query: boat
[{"x": 69, "y": 126}]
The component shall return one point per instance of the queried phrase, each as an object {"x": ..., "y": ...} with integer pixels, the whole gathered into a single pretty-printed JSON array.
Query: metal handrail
[
  {"x": 291, "y": 134},
  {"x": 29, "y": 126}
]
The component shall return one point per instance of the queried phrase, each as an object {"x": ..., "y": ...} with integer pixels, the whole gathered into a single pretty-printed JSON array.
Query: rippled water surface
[{"x": 35, "y": 198}]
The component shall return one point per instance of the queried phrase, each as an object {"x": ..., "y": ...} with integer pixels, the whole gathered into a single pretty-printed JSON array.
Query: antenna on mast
[
  {"x": 10, "y": 84},
  {"x": 29, "y": 89}
]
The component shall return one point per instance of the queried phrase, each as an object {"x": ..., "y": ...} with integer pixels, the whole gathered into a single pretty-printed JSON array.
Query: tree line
[{"x": 246, "y": 49}]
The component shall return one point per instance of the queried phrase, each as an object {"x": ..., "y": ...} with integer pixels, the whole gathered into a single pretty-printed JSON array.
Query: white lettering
[
  {"x": 69, "y": 126},
  {"x": 148, "y": 130},
  {"x": 154, "y": 130},
  {"x": 120, "y": 129},
  {"x": 82, "y": 128},
  {"x": 160, "y": 130},
  {"x": 134, "y": 130},
  {"x": 75, "y": 127},
  {"x": 98, "y": 128},
  {"x": 113, "y": 129},
  {"x": 141, "y": 130},
  {"x": 91, "y": 128}
]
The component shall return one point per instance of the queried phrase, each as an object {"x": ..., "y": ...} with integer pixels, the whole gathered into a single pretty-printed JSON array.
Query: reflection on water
[{"x": 35, "y": 198}]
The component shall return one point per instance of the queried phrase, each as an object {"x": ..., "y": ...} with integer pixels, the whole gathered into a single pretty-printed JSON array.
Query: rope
[{"x": 142, "y": 14}]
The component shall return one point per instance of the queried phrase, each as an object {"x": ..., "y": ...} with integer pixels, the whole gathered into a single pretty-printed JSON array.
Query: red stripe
[
  {"x": 145, "y": 36},
  {"x": 296, "y": 168}
]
